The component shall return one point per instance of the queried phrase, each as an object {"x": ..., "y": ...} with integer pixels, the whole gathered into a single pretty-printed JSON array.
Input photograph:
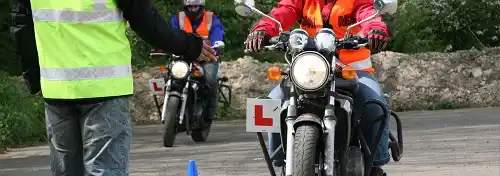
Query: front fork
[
  {"x": 290, "y": 120},
  {"x": 168, "y": 87},
  {"x": 330, "y": 121}
]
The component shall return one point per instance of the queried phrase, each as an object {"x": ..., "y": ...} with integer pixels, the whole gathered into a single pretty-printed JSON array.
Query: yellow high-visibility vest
[{"x": 82, "y": 48}]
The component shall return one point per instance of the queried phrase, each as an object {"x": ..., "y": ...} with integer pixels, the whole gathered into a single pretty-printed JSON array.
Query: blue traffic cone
[{"x": 192, "y": 170}]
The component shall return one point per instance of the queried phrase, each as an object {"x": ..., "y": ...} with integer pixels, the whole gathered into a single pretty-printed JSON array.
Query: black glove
[
  {"x": 377, "y": 40},
  {"x": 255, "y": 40}
]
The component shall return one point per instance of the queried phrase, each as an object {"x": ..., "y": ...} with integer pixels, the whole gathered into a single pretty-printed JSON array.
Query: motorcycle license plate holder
[{"x": 270, "y": 109}]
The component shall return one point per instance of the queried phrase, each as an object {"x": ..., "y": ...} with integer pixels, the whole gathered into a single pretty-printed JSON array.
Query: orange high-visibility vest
[
  {"x": 341, "y": 16},
  {"x": 202, "y": 30}
]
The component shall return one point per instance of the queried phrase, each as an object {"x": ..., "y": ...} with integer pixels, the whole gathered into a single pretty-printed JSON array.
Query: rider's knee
[
  {"x": 373, "y": 110},
  {"x": 211, "y": 78}
]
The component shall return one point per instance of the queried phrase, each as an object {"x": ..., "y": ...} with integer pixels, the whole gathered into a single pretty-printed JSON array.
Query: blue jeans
[
  {"x": 369, "y": 88},
  {"x": 210, "y": 75},
  {"x": 89, "y": 139}
]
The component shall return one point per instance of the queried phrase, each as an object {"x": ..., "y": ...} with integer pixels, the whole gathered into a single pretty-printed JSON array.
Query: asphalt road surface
[{"x": 437, "y": 143}]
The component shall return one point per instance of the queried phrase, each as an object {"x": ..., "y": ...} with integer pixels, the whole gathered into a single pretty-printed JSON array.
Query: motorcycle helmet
[{"x": 194, "y": 8}]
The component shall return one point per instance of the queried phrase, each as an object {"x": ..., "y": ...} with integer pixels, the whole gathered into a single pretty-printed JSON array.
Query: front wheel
[
  {"x": 304, "y": 149},
  {"x": 170, "y": 121}
]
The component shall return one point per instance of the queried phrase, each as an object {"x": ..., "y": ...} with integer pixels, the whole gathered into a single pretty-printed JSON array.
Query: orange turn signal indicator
[
  {"x": 348, "y": 73},
  {"x": 196, "y": 73},
  {"x": 163, "y": 68},
  {"x": 273, "y": 73}
]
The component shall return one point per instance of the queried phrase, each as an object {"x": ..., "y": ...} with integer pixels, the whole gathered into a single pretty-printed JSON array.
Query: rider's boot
[{"x": 377, "y": 171}]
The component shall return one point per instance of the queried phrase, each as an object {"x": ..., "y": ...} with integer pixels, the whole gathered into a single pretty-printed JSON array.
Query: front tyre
[
  {"x": 304, "y": 149},
  {"x": 170, "y": 121}
]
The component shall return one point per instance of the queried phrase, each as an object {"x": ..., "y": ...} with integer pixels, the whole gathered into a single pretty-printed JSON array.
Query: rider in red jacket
[
  {"x": 288, "y": 12},
  {"x": 336, "y": 15}
]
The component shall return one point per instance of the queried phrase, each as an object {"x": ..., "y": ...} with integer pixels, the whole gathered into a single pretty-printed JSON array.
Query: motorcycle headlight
[
  {"x": 179, "y": 69},
  {"x": 325, "y": 40},
  {"x": 309, "y": 71},
  {"x": 298, "y": 39}
]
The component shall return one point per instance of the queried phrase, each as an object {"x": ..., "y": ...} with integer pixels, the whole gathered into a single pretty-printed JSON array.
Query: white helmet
[{"x": 193, "y": 2}]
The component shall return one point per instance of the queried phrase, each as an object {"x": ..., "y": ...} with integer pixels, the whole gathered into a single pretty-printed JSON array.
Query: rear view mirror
[
  {"x": 244, "y": 7},
  {"x": 386, "y": 6}
]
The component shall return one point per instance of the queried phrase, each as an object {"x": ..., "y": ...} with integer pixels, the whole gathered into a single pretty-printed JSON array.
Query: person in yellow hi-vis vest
[{"x": 86, "y": 77}]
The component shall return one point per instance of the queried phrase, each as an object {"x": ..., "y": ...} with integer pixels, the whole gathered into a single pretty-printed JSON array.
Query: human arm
[
  {"x": 216, "y": 33},
  {"x": 287, "y": 13},
  {"x": 155, "y": 30},
  {"x": 24, "y": 43},
  {"x": 376, "y": 30},
  {"x": 364, "y": 9},
  {"x": 174, "y": 22}
]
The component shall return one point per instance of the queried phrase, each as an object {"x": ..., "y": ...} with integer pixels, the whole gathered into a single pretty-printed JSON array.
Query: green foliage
[
  {"x": 236, "y": 29},
  {"x": 21, "y": 115},
  {"x": 446, "y": 25},
  {"x": 419, "y": 26},
  {"x": 9, "y": 63},
  {"x": 228, "y": 113}
]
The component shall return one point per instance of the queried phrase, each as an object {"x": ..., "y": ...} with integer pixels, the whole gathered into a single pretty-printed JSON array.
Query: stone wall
[{"x": 417, "y": 81}]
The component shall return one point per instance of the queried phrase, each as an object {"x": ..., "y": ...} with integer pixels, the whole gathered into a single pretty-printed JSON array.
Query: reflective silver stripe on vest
[
  {"x": 209, "y": 17},
  {"x": 77, "y": 16},
  {"x": 362, "y": 64},
  {"x": 60, "y": 74},
  {"x": 182, "y": 15},
  {"x": 99, "y": 14}
]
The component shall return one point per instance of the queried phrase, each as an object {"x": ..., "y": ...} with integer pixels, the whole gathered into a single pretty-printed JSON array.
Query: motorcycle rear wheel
[
  {"x": 201, "y": 135},
  {"x": 170, "y": 132},
  {"x": 304, "y": 149}
]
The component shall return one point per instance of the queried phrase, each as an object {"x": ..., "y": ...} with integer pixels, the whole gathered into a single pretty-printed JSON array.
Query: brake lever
[{"x": 362, "y": 45}]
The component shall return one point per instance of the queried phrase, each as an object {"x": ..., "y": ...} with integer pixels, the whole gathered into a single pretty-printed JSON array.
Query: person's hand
[
  {"x": 207, "y": 53},
  {"x": 254, "y": 40},
  {"x": 378, "y": 40}
]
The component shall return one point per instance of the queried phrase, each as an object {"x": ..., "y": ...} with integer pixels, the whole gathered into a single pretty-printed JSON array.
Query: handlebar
[
  {"x": 274, "y": 40},
  {"x": 353, "y": 42},
  {"x": 160, "y": 52}
]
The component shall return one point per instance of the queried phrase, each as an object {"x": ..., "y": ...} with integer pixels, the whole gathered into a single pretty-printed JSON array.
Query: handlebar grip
[{"x": 274, "y": 40}]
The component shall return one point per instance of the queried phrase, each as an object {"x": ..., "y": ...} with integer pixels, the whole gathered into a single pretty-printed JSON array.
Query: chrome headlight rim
[
  {"x": 298, "y": 32},
  {"x": 323, "y": 82},
  {"x": 182, "y": 64}
]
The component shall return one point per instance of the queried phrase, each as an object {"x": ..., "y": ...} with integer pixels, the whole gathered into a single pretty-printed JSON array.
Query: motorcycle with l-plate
[
  {"x": 320, "y": 131},
  {"x": 185, "y": 93}
]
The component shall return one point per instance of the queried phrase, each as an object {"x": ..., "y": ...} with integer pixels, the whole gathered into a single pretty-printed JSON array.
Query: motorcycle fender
[
  {"x": 174, "y": 93},
  {"x": 308, "y": 117}
]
